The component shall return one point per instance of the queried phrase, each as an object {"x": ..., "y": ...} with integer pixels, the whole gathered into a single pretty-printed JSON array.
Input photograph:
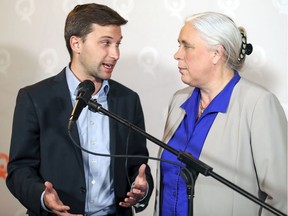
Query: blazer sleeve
[{"x": 269, "y": 146}]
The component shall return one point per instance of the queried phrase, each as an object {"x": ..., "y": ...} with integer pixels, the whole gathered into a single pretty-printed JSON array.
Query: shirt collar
[
  {"x": 73, "y": 83},
  {"x": 218, "y": 104}
]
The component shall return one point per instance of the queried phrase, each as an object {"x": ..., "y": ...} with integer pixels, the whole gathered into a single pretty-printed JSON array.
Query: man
[{"x": 46, "y": 172}]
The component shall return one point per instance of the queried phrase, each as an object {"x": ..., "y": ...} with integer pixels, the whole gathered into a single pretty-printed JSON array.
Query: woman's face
[{"x": 195, "y": 59}]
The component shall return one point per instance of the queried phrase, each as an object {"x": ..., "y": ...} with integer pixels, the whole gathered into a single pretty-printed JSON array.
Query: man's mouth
[{"x": 108, "y": 66}]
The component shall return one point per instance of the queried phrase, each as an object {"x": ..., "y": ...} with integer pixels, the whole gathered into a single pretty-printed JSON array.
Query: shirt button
[
  {"x": 93, "y": 181},
  {"x": 174, "y": 194},
  {"x": 91, "y": 122}
]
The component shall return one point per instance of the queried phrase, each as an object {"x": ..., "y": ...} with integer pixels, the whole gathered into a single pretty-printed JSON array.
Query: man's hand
[
  {"x": 138, "y": 190},
  {"x": 52, "y": 201}
]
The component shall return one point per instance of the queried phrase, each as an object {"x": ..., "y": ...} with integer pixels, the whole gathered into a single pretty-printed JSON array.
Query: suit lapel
[{"x": 61, "y": 89}]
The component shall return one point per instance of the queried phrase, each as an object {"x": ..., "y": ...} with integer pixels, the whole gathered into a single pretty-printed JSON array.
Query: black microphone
[{"x": 85, "y": 91}]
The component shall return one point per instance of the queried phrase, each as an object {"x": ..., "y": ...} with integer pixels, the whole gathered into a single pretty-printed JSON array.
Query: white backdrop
[{"x": 32, "y": 47}]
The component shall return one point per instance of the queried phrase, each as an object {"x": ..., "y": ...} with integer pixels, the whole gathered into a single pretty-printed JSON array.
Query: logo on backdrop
[{"x": 3, "y": 165}]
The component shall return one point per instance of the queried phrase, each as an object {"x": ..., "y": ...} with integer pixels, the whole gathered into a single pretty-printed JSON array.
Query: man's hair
[{"x": 79, "y": 21}]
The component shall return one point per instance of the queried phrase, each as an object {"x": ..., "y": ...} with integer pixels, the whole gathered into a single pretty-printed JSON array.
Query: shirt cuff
[
  {"x": 138, "y": 204},
  {"x": 42, "y": 203}
]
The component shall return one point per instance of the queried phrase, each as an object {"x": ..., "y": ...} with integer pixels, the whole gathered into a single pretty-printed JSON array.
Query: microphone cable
[{"x": 185, "y": 169}]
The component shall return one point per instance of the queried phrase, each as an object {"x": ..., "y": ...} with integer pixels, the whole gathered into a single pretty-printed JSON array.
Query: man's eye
[{"x": 106, "y": 43}]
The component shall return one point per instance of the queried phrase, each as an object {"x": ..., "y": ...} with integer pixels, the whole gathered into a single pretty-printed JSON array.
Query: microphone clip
[{"x": 94, "y": 106}]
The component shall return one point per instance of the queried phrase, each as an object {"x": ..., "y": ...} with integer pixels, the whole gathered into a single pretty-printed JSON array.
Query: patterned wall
[{"x": 32, "y": 48}]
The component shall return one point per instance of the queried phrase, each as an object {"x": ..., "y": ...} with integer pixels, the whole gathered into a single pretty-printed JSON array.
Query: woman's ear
[{"x": 219, "y": 52}]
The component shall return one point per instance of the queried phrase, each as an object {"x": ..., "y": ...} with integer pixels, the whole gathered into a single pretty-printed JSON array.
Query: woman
[{"x": 233, "y": 125}]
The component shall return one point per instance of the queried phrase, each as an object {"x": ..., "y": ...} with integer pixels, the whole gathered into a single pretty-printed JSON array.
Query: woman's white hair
[{"x": 219, "y": 29}]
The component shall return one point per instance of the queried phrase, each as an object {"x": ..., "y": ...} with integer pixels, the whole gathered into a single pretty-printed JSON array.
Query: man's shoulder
[
  {"x": 47, "y": 87},
  {"x": 44, "y": 83},
  {"x": 119, "y": 87}
]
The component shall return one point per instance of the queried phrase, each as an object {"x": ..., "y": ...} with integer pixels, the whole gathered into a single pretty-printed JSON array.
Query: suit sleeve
[
  {"x": 23, "y": 178},
  {"x": 141, "y": 149}
]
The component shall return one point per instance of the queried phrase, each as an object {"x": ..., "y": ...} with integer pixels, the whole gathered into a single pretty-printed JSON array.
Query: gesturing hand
[
  {"x": 52, "y": 201},
  {"x": 138, "y": 190}
]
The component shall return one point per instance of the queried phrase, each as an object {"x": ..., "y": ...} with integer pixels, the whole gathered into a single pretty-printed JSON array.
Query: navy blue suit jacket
[{"x": 41, "y": 149}]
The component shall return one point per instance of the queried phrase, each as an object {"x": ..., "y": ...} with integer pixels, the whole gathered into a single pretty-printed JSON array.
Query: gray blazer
[{"x": 247, "y": 145}]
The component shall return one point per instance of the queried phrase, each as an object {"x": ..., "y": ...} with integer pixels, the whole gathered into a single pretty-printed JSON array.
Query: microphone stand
[{"x": 193, "y": 164}]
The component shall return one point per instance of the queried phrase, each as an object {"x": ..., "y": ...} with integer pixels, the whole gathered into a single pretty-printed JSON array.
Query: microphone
[{"x": 85, "y": 91}]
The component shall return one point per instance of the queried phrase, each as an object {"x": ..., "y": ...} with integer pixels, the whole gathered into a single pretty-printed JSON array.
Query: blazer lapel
[{"x": 176, "y": 113}]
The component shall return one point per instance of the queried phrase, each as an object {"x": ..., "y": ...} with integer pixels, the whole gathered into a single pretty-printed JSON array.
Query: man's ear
[{"x": 75, "y": 44}]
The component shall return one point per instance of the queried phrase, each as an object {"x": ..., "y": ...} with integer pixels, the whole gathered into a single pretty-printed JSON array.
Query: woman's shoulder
[
  {"x": 249, "y": 87},
  {"x": 187, "y": 91},
  {"x": 250, "y": 92}
]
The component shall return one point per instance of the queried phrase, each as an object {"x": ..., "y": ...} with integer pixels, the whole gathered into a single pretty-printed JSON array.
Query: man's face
[{"x": 98, "y": 52}]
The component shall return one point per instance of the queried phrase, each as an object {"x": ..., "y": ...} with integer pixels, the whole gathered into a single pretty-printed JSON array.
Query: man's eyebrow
[{"x": 109, "y": 37}]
